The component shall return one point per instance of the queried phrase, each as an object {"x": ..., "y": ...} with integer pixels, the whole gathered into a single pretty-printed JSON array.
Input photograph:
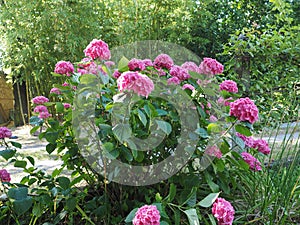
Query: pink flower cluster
[
  {"x": 137, "y": 82},
  {"x": 223, "y": 211},
  {"x": 179, "y": 72},
  {"x": 259, "y": 144},
  {"x": 147, "y": 215},
  {"x": 4, "y": 176},
  {"x": 41, "y": 109},
  {"x": 229, "y": 85},
  {"x": 163, "y": 61},
  {"x": 55, "y": 91},
  {"x": 191, "y": 66},
  {"x": 64, "y": 68},
  {"x": 210, "y": 67},
  {"x": 5, "y": 133},
  {"x": 97, "y": 49},
  {"x": 249, "y": 141},
  {"x": 39, "y": 100},
  {"x": 188, "y": 86},
  {"x": 139, "y": 64},
  {"x": 253, "y": 163},
  {"x": 225, "y": 102},
  {"x": 214, "y": 151},
  {"x": 244, "y": 109},
  {"x": 67, "y": 105}
]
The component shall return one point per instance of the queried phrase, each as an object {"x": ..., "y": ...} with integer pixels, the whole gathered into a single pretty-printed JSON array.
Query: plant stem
[{"x": 84, "y": 215}]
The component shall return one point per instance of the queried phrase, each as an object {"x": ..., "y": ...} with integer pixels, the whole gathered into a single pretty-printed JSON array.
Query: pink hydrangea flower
[
  {"x": 212, "y": 119},
  {"x": 116, "y": 74},
  {"x": 253, "y": 163},
  {"x": 5, "y": 133},
  {"x": 223, "y": 211},
  {"x": 136, "y": 64},
  {"x": 97, "y": 49},
  {"x": 44, "y": 115},
  {"x": 64, "y": 68},
  {"x": 39, "y": 100},
  {"x": 214, "y": 151},
  {"x": 229, "y": 85},
  {"x": 65, "y": 84},
  {"x": 203, "y": 83},
  {"x": 55, "y": 91},
  {"x": 139, "y": 83},
  {"x": 92, "y": 68},
  {"x": 67, "y": 105},
  {"x": 262, "y": 146},
  {"x": 163, "y": 61},
  {"x": 244, "y": 109},
  {"x": 190, "y": 66},
  {"x": 4, "y": 176},
  {"x": 188, "y": 86},
  {"x": 40, "y": 108},
  {"x": 147, "y": 215},
  {"x": 210, "y": 67},
  {"x": 249, "y": 141},
  {"x": 147, "y": 62},
  {"x": 109, "y": 63},
  {"x": 179, "y": 72},
  {"x": 173, "y": 80}
]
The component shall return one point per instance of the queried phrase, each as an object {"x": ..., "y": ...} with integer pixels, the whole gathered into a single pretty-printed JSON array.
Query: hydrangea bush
[{"x": 223, "y": 132}]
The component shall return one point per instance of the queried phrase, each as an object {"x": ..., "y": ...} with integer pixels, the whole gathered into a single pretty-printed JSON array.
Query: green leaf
[
  {"x": 164, "y": 126},
  {"x": 34, "y": 129},
  {"x": 63, "y": 182},
  {"x": 87, "y": 78},
  {"x": 192, "y": 216},
  {"x": 208, "y": 200},
  {"x": 238, "y": 141},
  {"x": 59, "y": 107},
  {"x": 18, "y": 193},
  {"x": 51, "y": 147},
  {"x": 142, "y": 117},
  {"x": 172, "y": 192},
  {"x": 202, "y": 132},
  {"x": 16, "y": 144},
  {"x": 123, "y": 64},
  {"x": 213, "y": 186},
  {"x": 7, "y": 153},
  {"x": 192, "y": 198},
  {"x": 20, "y": 164},
  {"x": 214, "y": 128},
  {"x": 30, "y": 159},
  {"x": 163, "y": 223},
  {"x": 23, "y": 205},
  {"x": 122, "y": 131},
  {"x": 71, "y": 204},
  {"x": 35, "y": 121},
  {"x": 131, "y": 215},
  {"x": 51, "y": 137},
  {"x": 37, "y": 210},
  {"x": 243, "y": 130}
]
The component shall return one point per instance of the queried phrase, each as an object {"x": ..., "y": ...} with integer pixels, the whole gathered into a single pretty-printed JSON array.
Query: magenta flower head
[
  {"x": 253, "y": 163},
  {"x": 64, "y": 68},
  {"x": 136, "y": 64},
  {"x": 210, "y": 67},
  {"x": 97, "y": 49},
  {"x": 262, "y": 146},
  {"x": 147, "y": 215},
  {"x": 4, "y": 176},
  {"x": 44, "y": 115},
  {"x": 67, "y": 105},
  {"x": 249, "y": 141},
  {"x": 40, "y": 108},
  {"x": 173, "y": 80},
  {"x": 188, "y": 86},
  {"x": 55, "y": 91},
  {"x": 163, "y": 61},
  {"x": 223, "y": 211},
  {"x": 179, "y": 72},
  {"x": 214, "y": 151},
  {"x": 5, "y": 133},
  {"x": 139, "y": 83},
  {"x": 244, "y": 109},
  {"x": 39, "y": 100},
  {"x": 229, "y": 85}
]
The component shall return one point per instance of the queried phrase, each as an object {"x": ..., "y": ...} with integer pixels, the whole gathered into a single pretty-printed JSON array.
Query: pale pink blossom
[
  {"x": 210, "y": 67},
  {"x": 44, "y": 115},
  {"x": 249, "y": 141},
  {"x": 244, "y": 109},
  {"x": 225, "y": 102},
  {"x": 5, "y": 133},
  {"x": 212, "y": 119},
  {"x": 214, "y": 151},
  {"x": 229, "y": 85},
  {"x": 4, "y": 176},
  {"x": 64, "y": 68},
  {"x": 109, "y": 63},
  {"x": 147, "y": 215},
  {"x": 190, "y": 66},
  {"x": 203, "y": 83},
  {"x": 223, "y": 211},
  {"x": 147, "y": 62},
  {"x": 55, "y": 91},
  {"x": 40, "y": 108},
  {"x": 139, "y": 83},
  {"x": 97, "y": 49},
  {"x": 39, "y": 100},
  {"x": 188, "y": 86},
  {"x": 179, "y": 72},
  {"x": 173, "y": 80},
  {"x": 262, "y": 146},
  {"x": 253, "y": 163},
  {"x": 163, "y": 61}
]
